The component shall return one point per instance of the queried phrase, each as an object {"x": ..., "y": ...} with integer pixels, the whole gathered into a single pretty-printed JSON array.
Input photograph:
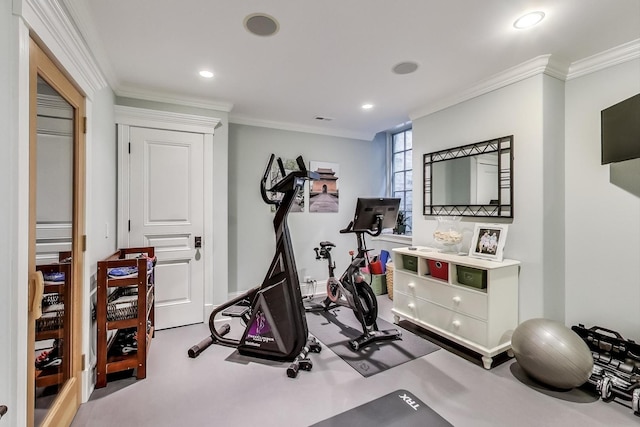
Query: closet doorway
[
  {"x": 56, "y": 242},
  {"x": 166, "y": 211}
]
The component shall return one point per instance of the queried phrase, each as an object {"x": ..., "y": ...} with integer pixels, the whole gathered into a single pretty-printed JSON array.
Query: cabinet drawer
[
  {"x": 444, "y": 319},
  {"x": 449, "y": 296}
]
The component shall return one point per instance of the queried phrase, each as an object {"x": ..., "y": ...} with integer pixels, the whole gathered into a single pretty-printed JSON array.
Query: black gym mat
[
  {"x": 334, "y": 328},
  {"x": 397, "y": 409}
]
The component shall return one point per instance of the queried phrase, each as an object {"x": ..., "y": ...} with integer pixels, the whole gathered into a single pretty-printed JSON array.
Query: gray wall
[
  {"x": 101, "y": 197},
  {"x": 101, "y": 179},
  {"x": 603, "y": 220},
  {"x": 575, "y": 231},
  {"x": 251, "y": 236},
  {"x": 513, "y": 110},
  {"x": 11, "y": 346}
]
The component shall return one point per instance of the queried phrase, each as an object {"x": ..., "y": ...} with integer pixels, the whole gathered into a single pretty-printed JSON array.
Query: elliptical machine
[
  {"x": 351, "y": 290},
  {"x": 273, "y": 312}
]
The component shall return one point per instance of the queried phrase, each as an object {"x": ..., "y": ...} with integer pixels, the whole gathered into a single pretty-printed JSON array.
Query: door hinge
[
  {"x": 84, "y": 361},
  {"x": 129, "y": 226},
  {"x": 84, "y": 125},
  {"x": 84, "y": 243},
  {"x": 129, "y": 148}
]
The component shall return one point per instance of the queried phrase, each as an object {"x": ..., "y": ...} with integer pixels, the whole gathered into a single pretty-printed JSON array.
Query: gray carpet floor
[{"x": 218, "y": 389}]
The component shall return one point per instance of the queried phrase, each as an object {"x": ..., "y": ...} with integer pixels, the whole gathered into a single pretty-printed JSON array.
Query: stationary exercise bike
[
  {"x": 351, "y": 290},
  {"x": 273, "y": 312}
]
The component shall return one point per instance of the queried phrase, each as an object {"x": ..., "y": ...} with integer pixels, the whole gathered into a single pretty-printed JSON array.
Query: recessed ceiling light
[
  {"x": 528, "y": 20},
  {"x": 261, "y": 24},
  {"x": 206, "y": 74},
  {"x": 367, "y": 106}
]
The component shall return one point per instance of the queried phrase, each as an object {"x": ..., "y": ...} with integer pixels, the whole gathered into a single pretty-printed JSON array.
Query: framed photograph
[
  {"x": 323, "y": 192},
  {"x": 488, "y": 241}
]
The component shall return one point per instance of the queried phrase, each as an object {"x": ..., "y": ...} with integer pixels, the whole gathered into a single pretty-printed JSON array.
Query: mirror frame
[
  {"x": 65, "y": 405},
  {"x": 502, "y": 145}
]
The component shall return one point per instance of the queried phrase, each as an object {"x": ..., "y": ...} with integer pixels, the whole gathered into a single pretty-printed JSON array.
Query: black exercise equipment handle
[
  {"x": 263, "y": 182},
  {"x": 350, "y": 229},
  {"x": 281, "y": 167},
  {"x": 379, "y": 227},
  {"x": 195, "y": 351},
  {"x": 301, "y": 164},
  {"x": 615, "y": 334}
]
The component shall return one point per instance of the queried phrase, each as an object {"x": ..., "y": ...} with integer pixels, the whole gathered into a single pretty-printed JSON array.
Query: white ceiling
[{"x": 331, "y": 56}]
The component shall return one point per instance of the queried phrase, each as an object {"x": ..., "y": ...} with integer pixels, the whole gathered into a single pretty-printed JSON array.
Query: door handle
[
  {"x": 197, "y": 244},
  {"x": 37, "y": 290},
  {"x": 3, "y": 410}
]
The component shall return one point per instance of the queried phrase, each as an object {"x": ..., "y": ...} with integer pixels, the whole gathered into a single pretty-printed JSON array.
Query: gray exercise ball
[{"x": 552, "y": 353}]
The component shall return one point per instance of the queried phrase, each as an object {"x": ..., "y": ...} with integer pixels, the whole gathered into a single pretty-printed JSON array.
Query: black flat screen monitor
[
  {"x": 368, "y": 210},
  {"x": 620, "y": 131}
]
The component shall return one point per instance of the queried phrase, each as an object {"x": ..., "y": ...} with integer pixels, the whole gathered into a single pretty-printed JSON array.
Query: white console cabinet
[{"x": 480, "y": 315}]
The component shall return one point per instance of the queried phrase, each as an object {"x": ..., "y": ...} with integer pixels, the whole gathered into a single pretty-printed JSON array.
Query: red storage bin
[
  {"x": 438, "y": 269},
  {"x": 375, "y": 267}
]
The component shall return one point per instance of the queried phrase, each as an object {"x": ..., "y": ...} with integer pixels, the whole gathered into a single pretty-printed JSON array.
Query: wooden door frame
[{"x": 69, "y": 396}]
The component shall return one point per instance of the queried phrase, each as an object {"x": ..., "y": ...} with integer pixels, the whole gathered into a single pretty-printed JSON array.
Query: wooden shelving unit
[
  {"x": 51, "y": 325},
  {"x": 110, "y": 317}
]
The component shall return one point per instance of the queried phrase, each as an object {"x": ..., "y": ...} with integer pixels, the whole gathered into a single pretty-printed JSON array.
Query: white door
[
  {"x": 166, "y": 212},
  {"x": 486, "y": 179}
]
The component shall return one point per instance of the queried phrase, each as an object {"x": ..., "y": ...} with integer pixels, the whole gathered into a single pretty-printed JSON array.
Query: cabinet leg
[
  {"x": 396, "y": 319},
  {"x": 510, "y": 353},
  {"x": 487, "y": 361}
]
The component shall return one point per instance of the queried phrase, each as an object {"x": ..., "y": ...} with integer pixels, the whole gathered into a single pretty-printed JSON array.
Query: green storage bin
[
  {"x": 379, "y": 284},
  {"x": 473, "y": 277},
  {"x": 410, "y": 262}
]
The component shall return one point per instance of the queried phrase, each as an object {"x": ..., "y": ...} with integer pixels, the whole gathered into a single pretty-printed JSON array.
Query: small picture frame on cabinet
[{"x": 488, "y": 241}]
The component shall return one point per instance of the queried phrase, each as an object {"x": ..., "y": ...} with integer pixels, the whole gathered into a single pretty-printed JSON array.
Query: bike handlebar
[
  {"x": 263, "y": 182},
  {"x": 349, "y": 228},
  {"x": 287, "y": 181}
]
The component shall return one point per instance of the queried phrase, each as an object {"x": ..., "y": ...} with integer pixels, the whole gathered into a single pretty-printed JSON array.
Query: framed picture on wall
[
  {"x": 488, "y": 241},
  {"x": 323, "y": 192}
]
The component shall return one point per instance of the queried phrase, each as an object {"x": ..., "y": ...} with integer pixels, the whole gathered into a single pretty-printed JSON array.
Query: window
[{"x": 402, "y": 174}]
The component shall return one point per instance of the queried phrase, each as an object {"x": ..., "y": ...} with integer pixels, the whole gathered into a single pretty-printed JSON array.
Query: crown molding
[
  {"x": 542, "y": 64},
  {"x": 171, "y": 99},
  {"x": 618, "y": 55},
  {"x": 51, "y": 24},
  {"x": 77, "y": 10},
  {"x": 143, "y": 117},
  {"x": 239, "y": 120}
]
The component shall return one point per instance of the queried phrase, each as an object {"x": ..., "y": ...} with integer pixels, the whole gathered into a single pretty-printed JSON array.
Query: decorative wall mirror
[{"x": 471, "y": 180}]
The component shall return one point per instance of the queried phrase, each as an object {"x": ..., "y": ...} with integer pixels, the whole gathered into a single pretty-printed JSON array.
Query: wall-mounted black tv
[{"x": 620, "y": 131}]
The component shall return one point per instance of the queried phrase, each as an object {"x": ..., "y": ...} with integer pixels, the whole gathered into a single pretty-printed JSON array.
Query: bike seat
[{"x": 326, "y": 243}]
